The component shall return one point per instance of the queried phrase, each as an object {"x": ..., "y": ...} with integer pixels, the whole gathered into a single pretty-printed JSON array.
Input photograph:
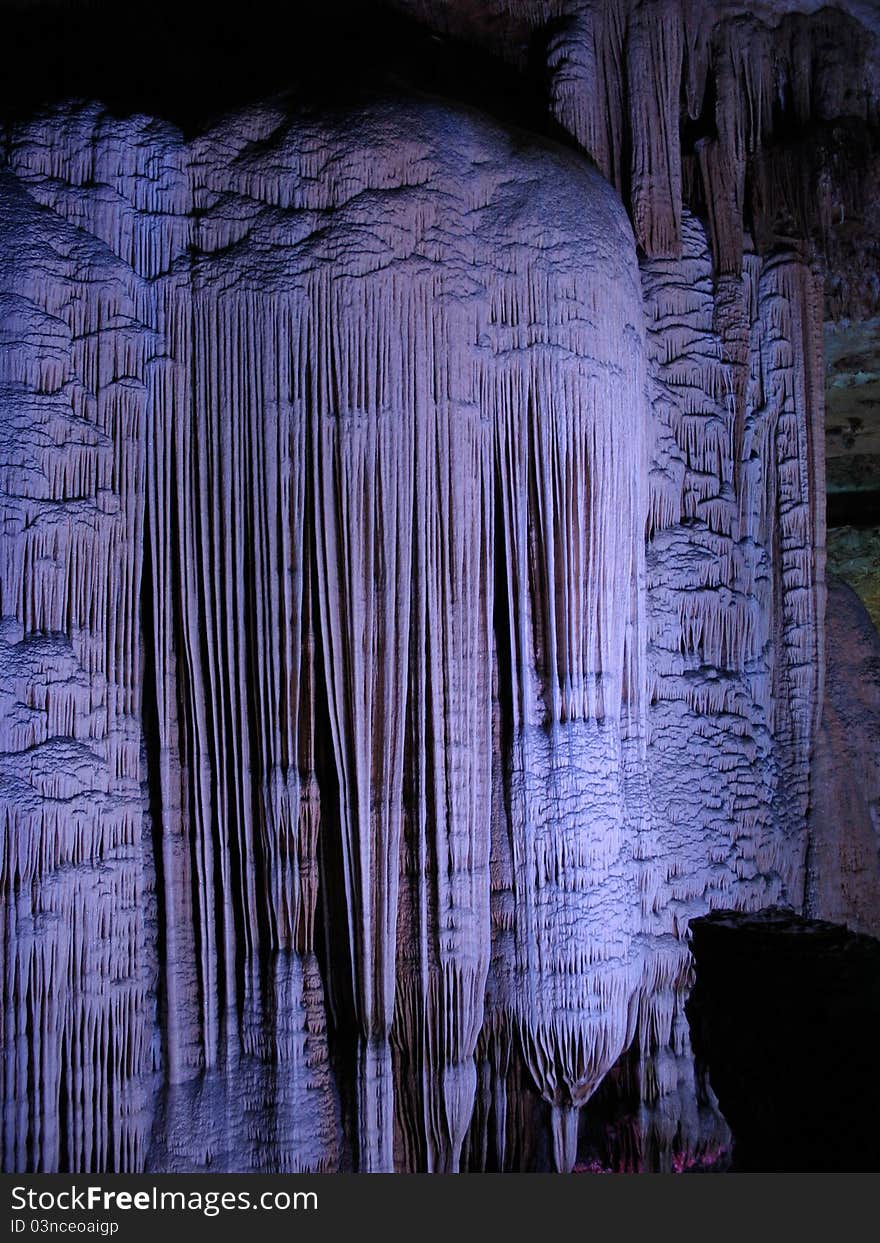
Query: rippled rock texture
[{"x": 412, "y": 617}]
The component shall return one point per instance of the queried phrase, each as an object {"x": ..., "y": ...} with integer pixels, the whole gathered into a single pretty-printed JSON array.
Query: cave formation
[{"x": 412, "y": 574}]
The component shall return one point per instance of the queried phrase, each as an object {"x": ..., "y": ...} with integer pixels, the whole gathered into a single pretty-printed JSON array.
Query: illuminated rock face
[
  {"x": 411, "y": 618},
  {"x": 412, "y": 599}
]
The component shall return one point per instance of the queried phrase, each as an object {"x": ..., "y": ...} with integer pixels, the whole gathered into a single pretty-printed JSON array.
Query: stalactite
[
  {"x": 76, "y": 870},
  {"x": 654, "y": 71},
  {"x": 363, "y": 444},
  {"x": 451, "y": 757},
  {"x": 647, "y": 86},
  {"x": 589, "y": 47},
  {"x": 384, "y": 543}
]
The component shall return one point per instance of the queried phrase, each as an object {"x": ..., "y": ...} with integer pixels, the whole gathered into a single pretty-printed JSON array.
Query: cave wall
[
  {"x": 413, "y": 612},
  {"x": 843, "y": 882}
]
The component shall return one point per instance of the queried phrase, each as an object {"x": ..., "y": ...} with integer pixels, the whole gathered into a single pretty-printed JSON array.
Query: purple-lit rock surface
[{"x": 412, "y": 617}]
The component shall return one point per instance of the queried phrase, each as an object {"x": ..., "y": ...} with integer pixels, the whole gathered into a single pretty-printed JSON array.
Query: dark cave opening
[{"x": 190, "y": 62}]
